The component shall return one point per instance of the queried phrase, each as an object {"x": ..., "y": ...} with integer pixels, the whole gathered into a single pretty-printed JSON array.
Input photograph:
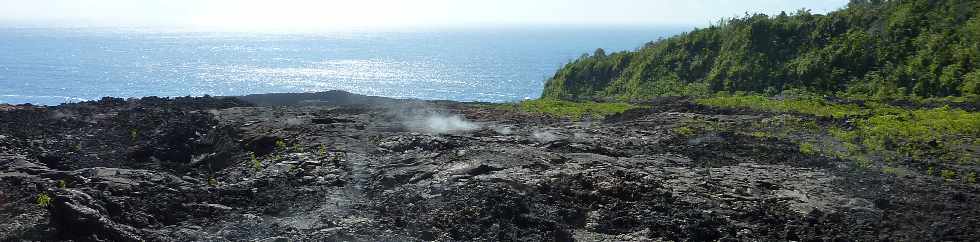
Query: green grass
[
  {"x": 568, "y": 109},
  {"x": 886, "y": 133},
  {"x": 917, "y": 132},
  {"x": 804, "y": 106}
]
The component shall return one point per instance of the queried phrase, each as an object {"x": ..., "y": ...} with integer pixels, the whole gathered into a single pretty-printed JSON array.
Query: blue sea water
[{"x": 51, "y": 66}]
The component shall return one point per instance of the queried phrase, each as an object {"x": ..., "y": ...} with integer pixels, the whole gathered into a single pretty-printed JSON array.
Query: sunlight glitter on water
[{"x": 44, "y": 65}]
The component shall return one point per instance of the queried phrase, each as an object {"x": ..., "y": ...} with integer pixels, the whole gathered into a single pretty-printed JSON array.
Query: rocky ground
[{"x": 340, "y": 167}]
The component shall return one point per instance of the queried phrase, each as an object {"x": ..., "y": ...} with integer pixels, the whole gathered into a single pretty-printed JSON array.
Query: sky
[{"x": 353, "y": 14}]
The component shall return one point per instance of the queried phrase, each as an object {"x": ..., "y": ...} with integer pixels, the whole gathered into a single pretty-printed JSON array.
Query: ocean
[{"x": 51, "y": 66}]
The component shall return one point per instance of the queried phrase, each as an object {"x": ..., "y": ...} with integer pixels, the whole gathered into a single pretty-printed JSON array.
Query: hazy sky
[{"x": 332, "y": 14}]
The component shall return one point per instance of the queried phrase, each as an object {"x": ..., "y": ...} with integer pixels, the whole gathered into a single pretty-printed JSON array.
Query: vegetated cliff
[{"x": 870, "y": 48}]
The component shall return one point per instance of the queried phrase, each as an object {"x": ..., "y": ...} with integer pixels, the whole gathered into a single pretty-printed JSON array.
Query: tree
[
  {"x": 600, "y": 53},
  {"x": 928, "y": 48}
]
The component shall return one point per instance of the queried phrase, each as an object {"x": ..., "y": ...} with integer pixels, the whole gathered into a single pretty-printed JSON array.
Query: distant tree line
[{"x": 871, "y": 48}]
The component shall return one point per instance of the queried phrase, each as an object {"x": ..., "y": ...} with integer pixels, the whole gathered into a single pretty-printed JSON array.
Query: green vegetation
[
  {"x": 760, "y": 134},
  {"x": 684, "y": 130},
  {"x": 134, "y": 134},
  {"x": 256, "y": 163},
  {"x": 694, "y": 125},
  {"x": 568, "y": 109},
  {"x": 62, "y": 184},
  {"x": 867, "y": 55},
  {"x": 809, "y": 106},
  {"x": 869, "y": 132},
  {"x": 914, "y": 133},
  {"x": 281, "y": 145},
  {"x": 873, "y": 49},
  {"x": 807, "y": 148},
  {"x": 948, "y": 175},
  {"x": 43, "y": 200},
  {"x": 281, "y": 148},
  {"x": 894, "y": 171}
]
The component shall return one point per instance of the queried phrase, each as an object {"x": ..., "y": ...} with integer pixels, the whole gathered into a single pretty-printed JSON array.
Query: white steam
[
  {"x": 293, "y": 122},
  {"x": 442, "y": 124},
  {"x": 504, "y": 130},
  {"x": 544, "y": 136}
]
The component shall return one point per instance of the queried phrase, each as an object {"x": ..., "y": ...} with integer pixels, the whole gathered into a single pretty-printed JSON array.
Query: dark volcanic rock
[
  {"x": 341, "y": 167},
  {"x": 75, "y": 215},
  {"x": 262, "y": 145}
]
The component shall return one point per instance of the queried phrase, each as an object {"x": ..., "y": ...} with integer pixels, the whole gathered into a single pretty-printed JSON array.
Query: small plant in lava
[
  {"x": 280, "y": 148},
  {"x": 338, "y": 157},
  {"x": 280, "y": 145},
  {"x": 43, "y": 200},
  {"x": 134, "y": 134},
  {"x": 948, "y": 175},
  {"x": 807, "y": 148},
  {"x": 684, "y": 131},
  {"x": 256, "y": 163},
  {"x": 971, "y": 178}
]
